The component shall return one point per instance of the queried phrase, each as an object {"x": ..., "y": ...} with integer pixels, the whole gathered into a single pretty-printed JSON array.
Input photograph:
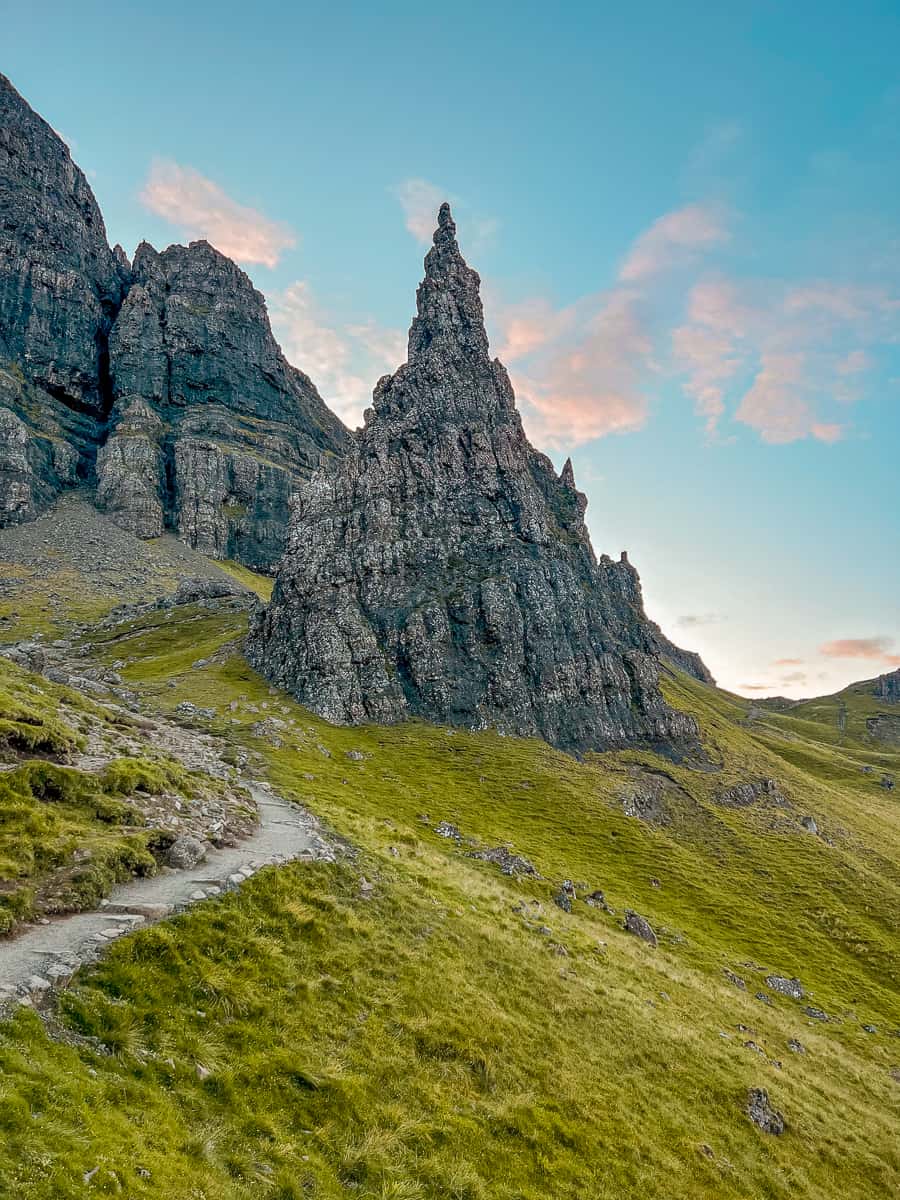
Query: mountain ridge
[{"x": 90, "y": 393}]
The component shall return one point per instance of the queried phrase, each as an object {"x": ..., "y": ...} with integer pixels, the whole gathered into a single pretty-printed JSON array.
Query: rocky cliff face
[
  {"x": 211, "y": 428},
  {"x": 60, "y": 288},
  {"x": 887, "y": 687},
  {"x": 160, "y": 382},
  {"x": 443, "y": 570}
]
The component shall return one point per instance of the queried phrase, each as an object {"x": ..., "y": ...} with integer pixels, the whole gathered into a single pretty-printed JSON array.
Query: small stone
[
  {"x": 796, "y": 1047},
  {"x": 817, "y": 1014}
]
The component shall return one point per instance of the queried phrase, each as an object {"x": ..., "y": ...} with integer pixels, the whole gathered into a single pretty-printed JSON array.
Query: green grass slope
[{"x": 449, "y": 1031}]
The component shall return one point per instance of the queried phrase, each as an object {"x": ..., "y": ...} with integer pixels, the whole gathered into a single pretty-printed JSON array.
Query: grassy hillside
[{"x": 412, "y": 1023}]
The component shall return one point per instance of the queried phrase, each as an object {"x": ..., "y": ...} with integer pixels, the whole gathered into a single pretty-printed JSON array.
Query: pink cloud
[
  {"x": 779, "y": 354},
  {"x": 583, "y": 371},
  {"x": 710, "y": 359},
  {"x": 775, "y": 406},
  {"x": 788, "y": 662},
  {"x": 673, "y": 239},
  {"x": 529, "y": 326},
  {"x": 593, "y": 386},
  {"x": 871, "y": 647},
  {"x": 201, "y": 209}
]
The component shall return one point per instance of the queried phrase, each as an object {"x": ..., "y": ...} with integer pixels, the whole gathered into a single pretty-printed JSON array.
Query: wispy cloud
[
  {"x": 871, "y": 647},
  {"x": 788, "y": 662},
  {"x": 675, "y": 239},
  {"x": 420, "y": 201},
  {"x": 200, "y": 208},
  {"x": 781, "y": 354},
  {"x": 585, "y": 370},
  {"x": 695, "y": 620},
  {"x": 344, "y": 361}
]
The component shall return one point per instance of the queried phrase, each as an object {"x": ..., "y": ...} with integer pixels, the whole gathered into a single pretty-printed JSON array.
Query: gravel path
[{"x": 44, "y": 957}]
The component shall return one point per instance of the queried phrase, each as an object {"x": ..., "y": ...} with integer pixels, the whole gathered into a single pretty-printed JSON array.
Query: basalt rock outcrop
[
  {"x": 443, "y": 570},
  {"x": 160, "y": 382},
  {"x": 211, "y": 428},
  {"x": 60, "y": 288}
]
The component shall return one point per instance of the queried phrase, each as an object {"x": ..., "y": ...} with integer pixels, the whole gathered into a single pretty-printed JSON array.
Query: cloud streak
[{"x": 200, "y": 208}]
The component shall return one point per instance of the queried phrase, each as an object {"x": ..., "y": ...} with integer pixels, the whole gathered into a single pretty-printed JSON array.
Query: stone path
[{"x": 44, "y": 957}]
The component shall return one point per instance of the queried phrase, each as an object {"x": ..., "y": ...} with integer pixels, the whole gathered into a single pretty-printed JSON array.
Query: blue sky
[{"x": 687, "y": 226}]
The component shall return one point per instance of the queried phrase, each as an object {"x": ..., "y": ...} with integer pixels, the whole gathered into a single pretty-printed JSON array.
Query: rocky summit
[
  {"x": 442, "y": 569},
  {"x": 158, "y": 383},
  {"x": 211, "y": 428}
]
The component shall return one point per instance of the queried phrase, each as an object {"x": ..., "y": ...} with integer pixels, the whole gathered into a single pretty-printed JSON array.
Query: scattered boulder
[
  {"x": 445, "y": 829},
  {"x": 817, "y": 1014},
  {"x": 762, "y": 1114},
  {"x": 742, "y": 795},
  {"x": 640, "y": 927},
  {"x": 565, "y": 896},
  {"x": 809, "y": 824},
  {"x": 796, "y": 1047},
  {"x": 185, "y": 852},
  {"x": 509, "y": 863},
  {"x": 193, "y": 590},
  {"x": 596, "y": 899},
  {"x": 194, "y": 711},
  {"x": 787, "y": 987},
  {"x": 735, "y": 979}
]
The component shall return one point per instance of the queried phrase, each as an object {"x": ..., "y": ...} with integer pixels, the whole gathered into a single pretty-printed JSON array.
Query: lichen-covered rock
[
  {"x": 762, "y": 1114},
  {"x": 640, "y": 927},
  {"x": 131, "y": 482},
  {"x": 60, "y": 287},
  {"x": 185, "y": 852},
  {"x": 443, "y": 569},
  {"x": 212, "y": 430},
  {"x": 742, "y": 795},
  {"x": 786, "y": 986}
]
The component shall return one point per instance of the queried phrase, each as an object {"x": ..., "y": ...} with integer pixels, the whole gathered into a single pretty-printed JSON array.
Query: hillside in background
[{"x": 453, "y": 1007}]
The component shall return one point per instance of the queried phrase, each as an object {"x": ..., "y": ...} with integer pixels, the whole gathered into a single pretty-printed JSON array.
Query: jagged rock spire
[
  {"x": 567, "y": 475},
  {"x": 443, "y": 570},
  {"x": 450, "y": 318}
]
